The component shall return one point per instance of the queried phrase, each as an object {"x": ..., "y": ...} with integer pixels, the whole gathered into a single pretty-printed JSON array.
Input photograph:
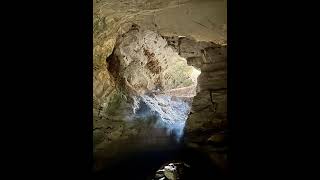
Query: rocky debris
[
  {"x": 160, "y": 174},
  {"x": 172, "y": 171}
]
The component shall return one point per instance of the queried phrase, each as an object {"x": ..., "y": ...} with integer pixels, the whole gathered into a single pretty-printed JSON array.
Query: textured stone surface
[
  {"x": 195, "y": 30},
  {"x": 209, "y": 107},
  {"x": 207, "y": 124},
  {"x": 148, "y": 103},
  {"x": 146, "y": 63},
  {"x": 202, "y": 19}
]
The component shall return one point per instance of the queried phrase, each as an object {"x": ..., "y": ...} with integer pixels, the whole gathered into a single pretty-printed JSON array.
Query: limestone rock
[
  {"x": 147, "y": 86},
  {"x": 179, "y": 17},
  {"x": 151, "y": 68},
  {"x": 208, "y": 116},
  {"x": 209, "y": 106},
  {"x": 147, "y": 64}
]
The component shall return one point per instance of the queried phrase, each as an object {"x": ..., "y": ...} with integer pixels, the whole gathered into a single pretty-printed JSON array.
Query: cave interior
[{"x": 160, "y": 89}]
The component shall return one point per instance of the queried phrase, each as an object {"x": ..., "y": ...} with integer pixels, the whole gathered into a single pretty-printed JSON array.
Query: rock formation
[
  {"x": 160, "y": 68},
  {"x": 146, "y": 63},
  {"x": 207, "y": 126},
  {"x": 152, "y": 83}
]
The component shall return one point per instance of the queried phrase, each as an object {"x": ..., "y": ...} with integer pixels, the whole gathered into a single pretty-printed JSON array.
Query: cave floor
[{"x": 143, "y": 164}]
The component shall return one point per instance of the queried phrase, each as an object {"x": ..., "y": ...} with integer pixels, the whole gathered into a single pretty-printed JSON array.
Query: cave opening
[
  {"x": 156, "y": 98},
  {"x": 161, "y": 94},
  {"x": 160, "y": 89}
]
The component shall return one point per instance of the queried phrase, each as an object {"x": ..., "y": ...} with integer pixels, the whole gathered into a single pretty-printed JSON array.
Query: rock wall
[
  {"x": 153, "y": 90},
  {"x": 203, "y": 19},
  {"x": 196, "y": 30},
  {"x": 207, "y": 126},
  {"x": 146, "y": 63}
]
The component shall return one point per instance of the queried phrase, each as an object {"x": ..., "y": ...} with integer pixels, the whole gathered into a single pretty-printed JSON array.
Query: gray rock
[{"x": 170, "y": 172}]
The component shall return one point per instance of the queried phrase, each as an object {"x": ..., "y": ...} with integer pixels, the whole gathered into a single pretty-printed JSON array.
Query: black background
[{"x": 46, "y": 76}]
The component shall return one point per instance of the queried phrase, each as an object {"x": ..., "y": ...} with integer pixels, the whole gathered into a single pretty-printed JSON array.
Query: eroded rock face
[
  {"x": 202, "y": 19},
  {"x": 119, "y": 95},
  {"x": 147, "y": 70},
  {"x": 147, "y": 64},
  {"x": 152, "y": 93},
  {"x": 207, "y": 126}
]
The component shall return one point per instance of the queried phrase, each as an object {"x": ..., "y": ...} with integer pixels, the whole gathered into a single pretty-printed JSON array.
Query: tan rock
[{"x": 147, "y": 64}]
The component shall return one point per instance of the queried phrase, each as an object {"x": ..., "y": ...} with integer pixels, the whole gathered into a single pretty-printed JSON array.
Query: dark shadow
[{"x": 142, "y": 165}]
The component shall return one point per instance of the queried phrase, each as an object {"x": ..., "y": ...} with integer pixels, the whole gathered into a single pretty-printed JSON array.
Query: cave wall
[
  {"x": 207, "y": 125},
  {"x": 204, "y": 20},
  {"x": 153, "y": 88},
  {"x": 196, "y": 29}
]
